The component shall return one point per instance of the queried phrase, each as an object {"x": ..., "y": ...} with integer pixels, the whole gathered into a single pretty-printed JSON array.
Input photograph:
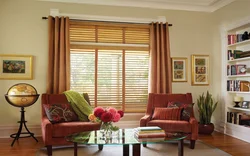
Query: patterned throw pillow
[
  {"x": 187, "y": 109},
  {"x": 167, "y": 113},
  {"x": 59, "y": 113}
]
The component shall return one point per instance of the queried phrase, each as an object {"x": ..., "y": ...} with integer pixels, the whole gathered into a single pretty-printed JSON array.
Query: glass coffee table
[{"x": 124, "y": 137}]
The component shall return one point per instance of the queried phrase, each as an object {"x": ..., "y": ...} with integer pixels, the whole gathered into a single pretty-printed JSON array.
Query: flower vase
[{"x": 106, "y": 130}]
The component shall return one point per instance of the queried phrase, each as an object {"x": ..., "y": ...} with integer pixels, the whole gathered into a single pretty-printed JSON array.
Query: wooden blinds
[{"x": 125, "y": 35}]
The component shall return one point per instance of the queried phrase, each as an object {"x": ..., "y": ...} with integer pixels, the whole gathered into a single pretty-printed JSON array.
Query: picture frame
[
  {"x": 240, "y": 69},
  {"x": 179, "y": 69},
  {"x": 245, "y": 104},
  {"x": 16, "y": 67},
  {"x": 200, "y": 70}
]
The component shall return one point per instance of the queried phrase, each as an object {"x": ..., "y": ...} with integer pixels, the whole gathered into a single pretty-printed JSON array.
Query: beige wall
[{"x": 22, "y": 31}]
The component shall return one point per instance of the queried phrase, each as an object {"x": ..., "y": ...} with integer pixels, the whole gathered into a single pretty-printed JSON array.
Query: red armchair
[
  {"x": 54, "y": 134},
  {"x": 162, "y": 100}
]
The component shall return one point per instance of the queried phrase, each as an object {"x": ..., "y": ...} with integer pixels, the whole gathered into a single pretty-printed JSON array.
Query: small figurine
[{"x": 245, "y": 36}]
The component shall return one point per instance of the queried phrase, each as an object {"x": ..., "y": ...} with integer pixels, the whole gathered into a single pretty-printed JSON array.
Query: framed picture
[
  {"x": 240, "y": 69},
  {"x": 179, "y": 69},
  {"x": 245, "y": 104},
  {"x": 200, "y": 70},
  {"x": 16, "y": 67}
]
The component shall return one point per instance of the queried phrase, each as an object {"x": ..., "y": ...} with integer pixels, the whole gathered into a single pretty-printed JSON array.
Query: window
[{"x": 110, "y": 62}]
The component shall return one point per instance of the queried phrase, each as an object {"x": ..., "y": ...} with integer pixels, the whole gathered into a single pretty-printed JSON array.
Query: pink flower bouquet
[{"x": 106, "y": 117}]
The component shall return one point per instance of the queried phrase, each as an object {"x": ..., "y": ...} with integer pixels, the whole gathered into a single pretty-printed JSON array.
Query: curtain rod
[{"x": 45, "y": 18}]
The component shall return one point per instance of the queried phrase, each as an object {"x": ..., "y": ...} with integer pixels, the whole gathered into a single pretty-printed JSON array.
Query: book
[
  {"x": 245, "y": 54},
  {"x": 149, "y": 139},
  {"x": 149, "y": 131},
  {"x": 237, "y": 53},
  {"x": 235, "y": 117},
  {"x": 160, "y": 135},
  {"x": 244, "y": 86},
  {"x": 148, "y": 128},
  {"x": 233, "y": 70}
]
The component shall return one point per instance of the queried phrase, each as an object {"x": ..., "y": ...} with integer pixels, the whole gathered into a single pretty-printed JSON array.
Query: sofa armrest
[
  {"x": 194, "y": 128},
  {"x": 46, "y": 130},
  {"x": 144, "y": 120}
]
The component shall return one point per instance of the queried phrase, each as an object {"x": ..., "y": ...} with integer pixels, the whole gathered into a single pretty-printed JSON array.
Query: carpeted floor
[{"x": 168, "y": 149}]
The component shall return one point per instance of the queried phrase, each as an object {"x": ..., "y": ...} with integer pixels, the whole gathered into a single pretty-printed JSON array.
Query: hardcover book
[
  {"x": 148, "y": 128},
  {"x": 160, "y": 135}
]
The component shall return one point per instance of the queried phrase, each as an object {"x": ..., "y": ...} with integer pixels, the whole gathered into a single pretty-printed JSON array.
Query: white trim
[
  {"x": 110, "y": 44},
  {"x": 171, "y": 5},
  {"x": 55, "y": 12},
  {"x": 219, "y": 5}
]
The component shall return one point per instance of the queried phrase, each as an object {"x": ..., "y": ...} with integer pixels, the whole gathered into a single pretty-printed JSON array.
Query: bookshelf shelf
[
  {"x": 239, "y": 43},
  {"x": 241, "y": 109},
  {"x": 240, "y": 59},
  {"x": 238, "y": 92},
  {"x": 235, "y": 76}
]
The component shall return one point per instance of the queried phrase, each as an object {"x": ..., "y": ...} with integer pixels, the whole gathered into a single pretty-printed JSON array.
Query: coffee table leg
[
  {"x": 75, "y": 148},
  {"x": 180, "y": 147},
  {"x": 136, "y": 149},
  {"x": 100, "y": 147},
  {"x": 125, "y": 150}
]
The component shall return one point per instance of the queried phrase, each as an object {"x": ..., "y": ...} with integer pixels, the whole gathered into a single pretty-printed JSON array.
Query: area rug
[{"x": 167, "y": 149}]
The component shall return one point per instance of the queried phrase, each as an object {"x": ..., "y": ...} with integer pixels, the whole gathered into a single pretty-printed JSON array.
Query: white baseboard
[{"x": 219, "y": 127}]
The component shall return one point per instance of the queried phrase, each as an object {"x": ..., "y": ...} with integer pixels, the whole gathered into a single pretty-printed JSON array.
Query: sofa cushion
[
  {"x": 172, "y": 125},
  {"x": 66, "y": 128},
  {"x": 60, "y": 113},
  {"x": 161, "y": 113},
  {"x": 187, "y": 109}
]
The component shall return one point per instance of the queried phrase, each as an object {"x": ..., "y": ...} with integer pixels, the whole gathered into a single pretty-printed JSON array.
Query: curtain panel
[
  {"x": 160, "y": 62},
  {"x": 58, "y": 76}
]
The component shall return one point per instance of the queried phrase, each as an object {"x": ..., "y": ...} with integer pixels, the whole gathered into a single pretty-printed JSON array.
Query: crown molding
[
  {"x": 220, "y": 4},
  {"x": 193, "y": 5}
]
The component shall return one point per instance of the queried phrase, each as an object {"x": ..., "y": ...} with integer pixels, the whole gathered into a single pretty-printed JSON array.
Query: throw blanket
[{"x": 79, "y": 105}]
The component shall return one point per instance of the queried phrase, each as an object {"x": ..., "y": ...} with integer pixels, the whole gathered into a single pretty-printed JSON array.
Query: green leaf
[{"x": 206, "y": 107}]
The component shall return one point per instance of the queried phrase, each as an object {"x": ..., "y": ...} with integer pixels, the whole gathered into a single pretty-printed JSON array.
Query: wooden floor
[{"x": 28, "y": 146}]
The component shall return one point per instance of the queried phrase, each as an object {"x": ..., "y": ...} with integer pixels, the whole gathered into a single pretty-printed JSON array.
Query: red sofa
[
  {"x": 54, "y": 134},
  {"x": 162, "y": 100}
]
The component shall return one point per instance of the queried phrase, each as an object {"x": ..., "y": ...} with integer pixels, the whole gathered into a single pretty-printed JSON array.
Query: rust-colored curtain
[
  {"x": 160, "y": 62},
  {"x": 58, "y": 76}
]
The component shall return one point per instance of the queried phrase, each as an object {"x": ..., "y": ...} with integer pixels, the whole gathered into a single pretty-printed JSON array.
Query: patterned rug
[{"x": 168, "y": 149}]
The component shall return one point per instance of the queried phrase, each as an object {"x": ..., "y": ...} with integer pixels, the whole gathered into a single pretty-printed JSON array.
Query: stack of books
[{"x": 149, "y": 133}]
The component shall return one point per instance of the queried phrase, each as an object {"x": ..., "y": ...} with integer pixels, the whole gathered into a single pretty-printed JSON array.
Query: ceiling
[{"x": 188, "y": 5}]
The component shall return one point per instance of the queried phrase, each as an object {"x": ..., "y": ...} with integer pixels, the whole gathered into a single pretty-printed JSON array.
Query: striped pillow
[{"x": 167, "y": 113}]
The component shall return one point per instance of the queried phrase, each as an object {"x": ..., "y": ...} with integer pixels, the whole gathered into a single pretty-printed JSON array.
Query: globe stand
[
  {"x": 22, "y": 95},
  {"x": 22, "y": 123}
]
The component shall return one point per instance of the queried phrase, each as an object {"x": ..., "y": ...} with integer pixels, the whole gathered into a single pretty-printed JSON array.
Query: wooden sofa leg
[
  {"x": 192, "y": 144},
  {"x": 49, "y": 150}
]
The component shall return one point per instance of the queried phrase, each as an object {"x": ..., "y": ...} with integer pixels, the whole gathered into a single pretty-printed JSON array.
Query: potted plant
[{"x": 206, "y": 107}]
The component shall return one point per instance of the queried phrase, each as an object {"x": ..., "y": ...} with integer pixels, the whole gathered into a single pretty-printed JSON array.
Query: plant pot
[{"x": 206, "y": 129}]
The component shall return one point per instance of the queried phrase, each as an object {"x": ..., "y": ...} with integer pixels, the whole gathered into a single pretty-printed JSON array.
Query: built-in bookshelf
[{"x": 236, "y": 50}]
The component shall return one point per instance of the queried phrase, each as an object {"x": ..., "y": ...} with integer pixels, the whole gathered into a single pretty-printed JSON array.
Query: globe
[{"x": 21, "y": 95}]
